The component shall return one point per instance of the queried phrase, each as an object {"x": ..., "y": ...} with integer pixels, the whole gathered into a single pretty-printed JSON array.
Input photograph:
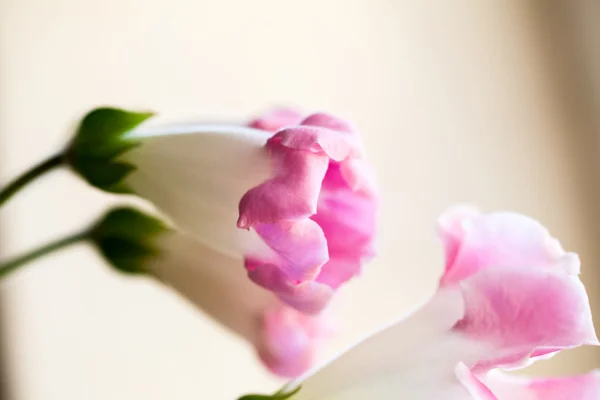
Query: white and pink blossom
[{"x": 509, "y": 295}]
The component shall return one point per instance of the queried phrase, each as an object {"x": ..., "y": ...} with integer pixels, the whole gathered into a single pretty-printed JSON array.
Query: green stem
[
  {"x": 37, "y": 171},
  {"x": 10, "y": 265}
]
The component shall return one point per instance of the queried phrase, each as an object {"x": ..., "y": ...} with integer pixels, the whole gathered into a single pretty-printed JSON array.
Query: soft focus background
[{"x": 490, "y": 102}]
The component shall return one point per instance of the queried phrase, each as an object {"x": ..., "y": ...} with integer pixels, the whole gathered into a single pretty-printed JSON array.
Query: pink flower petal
[
  {"x": 300, "y": 246},
  {"x": 580, "y": 387},
  {"x": 451, "y": 232},
  {"x": 474, "y": 242},
  {"x": 318, "y": 140},
  {"x": 309, "y": 297},
  {"x": 521, "y": 288},
  {"x": 329, "y": 121},
  {"x": 291, "y": 195},
  {"x": 290, "y": 341},
  {"x": 518, "y": 311},
  {"x": 276, "y": 119},
  {"x": 322, "y": 133},
  {"x": 348, "y": 220}
]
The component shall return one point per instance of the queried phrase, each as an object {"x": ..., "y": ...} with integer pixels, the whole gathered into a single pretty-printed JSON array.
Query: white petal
[
  {"x": 414, "y": 359},
  {"x": 197, "y": 175},
  {"x": 214, "y": 282}
]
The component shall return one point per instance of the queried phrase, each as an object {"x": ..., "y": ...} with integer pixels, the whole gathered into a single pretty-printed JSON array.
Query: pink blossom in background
[
  {"x": 510, "y": 295},
  {"x": 286, "y": 340},
  {"x": 519, "y": 286}
]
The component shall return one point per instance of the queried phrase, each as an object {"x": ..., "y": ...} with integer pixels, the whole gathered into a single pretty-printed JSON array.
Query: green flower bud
[
  {"x": 99, "y": 140},
  {"x": 127, "y": 238}
]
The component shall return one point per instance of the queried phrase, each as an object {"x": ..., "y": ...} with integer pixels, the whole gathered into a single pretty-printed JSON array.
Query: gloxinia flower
[
  {"x": 509, "y": 295},
  {"x": 295, "y": 202},
  {"x": 271, "y": 218},
  {"x": 285, "y": 339}
]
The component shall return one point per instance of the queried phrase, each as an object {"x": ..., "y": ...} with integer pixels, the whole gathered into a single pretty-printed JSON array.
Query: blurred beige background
[{"x": 488, "y": 102}]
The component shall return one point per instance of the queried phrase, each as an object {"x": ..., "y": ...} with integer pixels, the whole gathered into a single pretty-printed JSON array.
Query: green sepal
[
  {"x": 99, "y": 140},
  {"x": 126, "y": 238},
  {"x": 280, "y": 395}
]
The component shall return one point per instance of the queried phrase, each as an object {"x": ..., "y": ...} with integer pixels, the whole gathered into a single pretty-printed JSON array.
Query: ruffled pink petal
[
  {"x": 521, "y": 288},
  {"x": 451, "y": 232},
  {"x": 317, "y": 213},
  {"x": 316, "y": 139},
  {"x": 291, "y": 195},
  {"x": 474, "y": 242},
  {"x": 302, "y": 155},
  {"x": 519, "y": 311},
  {"x": 348, "y": 220},
  {"x": 276, "y": 119},
  {"x": 309, "y": 297},
  {"x": 580, "y": 387},
  {"x": 290, "y": 341},
  {"x": 300, "y": 246}
]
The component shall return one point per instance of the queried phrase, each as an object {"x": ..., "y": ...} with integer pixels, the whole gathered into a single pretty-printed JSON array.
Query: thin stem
[
  {"x": 40, "y": 169},
  {"x": 11, "y": 265}
]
